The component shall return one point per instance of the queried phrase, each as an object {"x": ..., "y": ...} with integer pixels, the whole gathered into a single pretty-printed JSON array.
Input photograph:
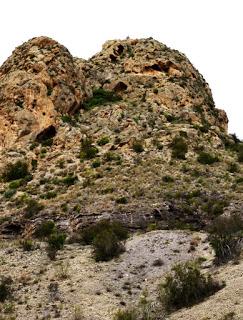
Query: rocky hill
[{"x": 131, "y": 135}]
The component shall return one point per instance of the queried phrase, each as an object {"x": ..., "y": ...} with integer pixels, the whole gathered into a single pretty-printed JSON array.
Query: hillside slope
[{"x": 131, "y": 135}]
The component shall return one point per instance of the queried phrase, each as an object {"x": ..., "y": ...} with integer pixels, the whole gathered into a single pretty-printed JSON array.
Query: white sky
[{"x": 209, "y": 32}]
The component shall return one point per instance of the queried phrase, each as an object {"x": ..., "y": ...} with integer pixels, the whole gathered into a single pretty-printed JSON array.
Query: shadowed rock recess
[{"x": 131, "y": 135}]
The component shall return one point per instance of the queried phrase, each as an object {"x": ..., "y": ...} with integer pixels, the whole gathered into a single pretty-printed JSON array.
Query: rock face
[
  {"x": 38, "y": 82},
  {"x": 146, "y": 70}
]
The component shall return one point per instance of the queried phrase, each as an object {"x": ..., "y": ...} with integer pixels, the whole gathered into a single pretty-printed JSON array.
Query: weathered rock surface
[{"x": 37, "y": 83}]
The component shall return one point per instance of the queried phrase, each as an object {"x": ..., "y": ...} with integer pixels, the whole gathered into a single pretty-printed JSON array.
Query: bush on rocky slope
[
  {"x": 179, "y": 148},
  {"x": 106, "y": 238},
  {"x": 100, "y": 96},
  {"x": 226, "y": 235},
  {"x": 107, "y": 246},
  {"x": 5, "y": 288},
  {"x": 15, "y": 171},
  {"x": 185, "y": 286},
  {"x": 129, "y": 314},
  {"x": 207, "y": 158}
]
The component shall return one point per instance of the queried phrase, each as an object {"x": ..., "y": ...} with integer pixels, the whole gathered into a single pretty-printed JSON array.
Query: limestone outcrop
[{"x": 38, "y": 82}]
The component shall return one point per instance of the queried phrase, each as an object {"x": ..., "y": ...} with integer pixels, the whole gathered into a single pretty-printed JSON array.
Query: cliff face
[
  {"x": 41, "y": 80},
  {"x": 37, "y": 83}
]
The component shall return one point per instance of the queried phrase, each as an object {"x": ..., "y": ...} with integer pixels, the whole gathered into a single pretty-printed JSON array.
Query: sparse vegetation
[
  {"x": 214, "y": 206},
  {"x": 168, "y": 179},
  {"x": 122, "y": 200},
  {"x": 179, "y": 148},
  {"x": 102, "y": 141},
  {"x": 233, "y": 167},
  {"x": 45, "y": 229},
  {"x": 48, "y": 195},
  {"x": 88, "y": 234},
  {"x": 55, "y": 242},
  {"x": 226, "y": 234},
  {"x": 70, "y": 180},
  {"x": 68, "y": 119},
  {"x": 106, "y": 237},
  {"x": 185, "y": 286},
  {"x": 32, "y": 209},
  {"x": 5, "y": 288},
  {"x": 137, "y": 146},
  {"x": 207, "y": 158},
  {"x": 240, "y": 152},
  {"x": 15, "y": 171},
  {"x": 112, "y": 156},
  {"x": 128, "y": 314},
  {"x": 101, "y": 96},
  {"x": 107, "y": 246},
  {"x": 27, "y": 244},
  {"x": 88, "y": 150},
  {"x": 16, "y": 184}
]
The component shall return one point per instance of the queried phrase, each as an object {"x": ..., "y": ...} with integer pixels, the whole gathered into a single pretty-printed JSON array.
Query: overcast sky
[{"x": 209, "y": 32}]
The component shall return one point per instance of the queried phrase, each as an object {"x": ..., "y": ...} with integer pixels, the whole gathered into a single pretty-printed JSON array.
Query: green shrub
[
  {"x": 239, "y": 180},
  {"x": 100, "y": 96},
  {"x": 107, "y": 246},
  {"x": 15, "y": 171},
  {"x": 9, "y": 193},
  {"x": 111, "y": 156},
  {"x": 55, "y": 242},
  {"x": 122, "y": 200},
  {"x": 179, "y": 148},
  {"x": 233, "y": 167},
  {"x": 207, "y": 158},
  {"x": 137, "y": 146},
  {"x": 96, "y": 164},
  {"x": 88, "y": 234},
  {"x": 103, "y": 141},
  {"x": 185, "y": 286},
  {"x": 48, "y": 195},
  {"x": 68, "y": 119},
  {"x": 168, "y": 179},
  {"x": 88, "y": 151},
  {"x": 226, "y": 234},
  {"x": 34, "y": 164},
  {"x": 45, "y": 229},
  {"x": 214, "y": 207},
  {"x": 129, "y": 314},
  {"x": 240, "y": 152},
  {"x": 5, "y": 288},
  {"x": 47, "y": 142},
  {"x": 69, "y": 180},
  {"x": 27, "y": 244},
  {"x": 33, "y": 208},
  {"x": 16, "y": 184}
]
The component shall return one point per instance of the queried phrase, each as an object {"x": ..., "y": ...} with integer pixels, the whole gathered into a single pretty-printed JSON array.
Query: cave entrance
[
  {"x": 46, "y": 134},
  {"x": 120, "y": 86}
]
